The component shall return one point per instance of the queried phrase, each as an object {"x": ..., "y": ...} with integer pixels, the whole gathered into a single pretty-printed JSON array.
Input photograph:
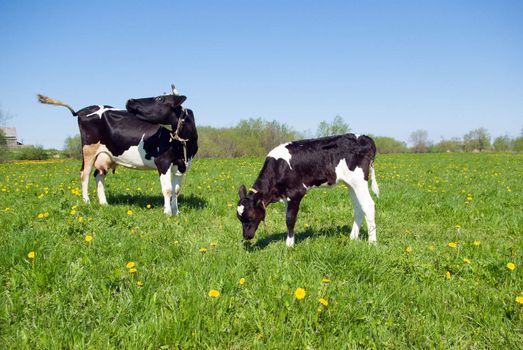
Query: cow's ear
[
  {"x": 242, "y": 192},
  {"x": 178, "y": 100}
]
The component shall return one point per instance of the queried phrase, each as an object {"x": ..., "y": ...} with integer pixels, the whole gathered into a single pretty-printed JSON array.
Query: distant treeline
[{"x": 256, "y": 137}]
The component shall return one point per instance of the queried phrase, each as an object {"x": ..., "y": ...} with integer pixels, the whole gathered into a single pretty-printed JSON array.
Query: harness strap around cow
[{"x": 176, "y": 136}]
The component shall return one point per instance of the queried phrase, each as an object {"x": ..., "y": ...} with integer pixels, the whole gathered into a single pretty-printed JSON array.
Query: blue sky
[{"x": 387, "y": 67}]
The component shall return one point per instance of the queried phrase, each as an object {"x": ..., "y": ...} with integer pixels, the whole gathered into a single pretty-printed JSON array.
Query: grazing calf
[
  {"x": 291, "y": 169},
  {"x": 134, "y": 138}
]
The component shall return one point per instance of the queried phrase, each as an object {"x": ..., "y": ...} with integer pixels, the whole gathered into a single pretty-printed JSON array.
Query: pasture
[{"x": 446, "y": 272}]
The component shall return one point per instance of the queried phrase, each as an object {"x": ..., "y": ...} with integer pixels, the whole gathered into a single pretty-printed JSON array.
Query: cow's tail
[
  {"x": 374, "y": 184},
  {"x": 52, "y": 101}
]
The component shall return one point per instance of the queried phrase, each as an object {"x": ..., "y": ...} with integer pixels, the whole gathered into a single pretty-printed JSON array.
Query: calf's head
[
  {"x": 159, "y": 110},
  {"x": 250, "y": 211}
]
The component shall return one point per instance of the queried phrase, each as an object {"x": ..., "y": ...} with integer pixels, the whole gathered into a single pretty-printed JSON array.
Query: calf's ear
[{"x": 242, "y": 192}]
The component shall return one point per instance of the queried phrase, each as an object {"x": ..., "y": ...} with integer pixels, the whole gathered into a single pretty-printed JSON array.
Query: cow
[
  {"x": 155, "y": 132},
  {"x": 292, "y": 169}
]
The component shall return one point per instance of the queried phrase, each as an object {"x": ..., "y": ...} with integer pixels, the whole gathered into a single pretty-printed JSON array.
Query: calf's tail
[
  {"x": 374, "y": 184},
  {"x": 52, "y": 101}
]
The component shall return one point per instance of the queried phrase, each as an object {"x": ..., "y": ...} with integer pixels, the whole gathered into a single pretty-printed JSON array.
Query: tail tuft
[{"x": 52, "y": 101}]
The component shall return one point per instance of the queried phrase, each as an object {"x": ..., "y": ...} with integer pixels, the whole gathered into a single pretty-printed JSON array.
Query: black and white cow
[
  {"x": 134, "y": 138},
  {"x": 291, "y": 169}
]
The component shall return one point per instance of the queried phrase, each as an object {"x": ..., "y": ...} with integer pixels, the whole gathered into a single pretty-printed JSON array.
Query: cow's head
[
  {"x": 250, "y": 211},
  {"x": 158, "y": 110}
]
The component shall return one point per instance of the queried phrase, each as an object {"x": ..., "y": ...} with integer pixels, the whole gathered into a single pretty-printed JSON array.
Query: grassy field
[{"x": 447, "y": 271}]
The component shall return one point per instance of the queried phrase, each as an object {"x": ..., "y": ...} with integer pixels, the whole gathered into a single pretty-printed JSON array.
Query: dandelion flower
[
  {"x": 458, "y": 226},
  {"x": 88, "y": 238},
  {"x": 31, "y": 254},
  {"x": 213, "y": 293},
  {"x": 40, "y": 216},
  {"x": 511, "y": 266},
  {"x": 477, "y": 242},
  {"x": 72, "y": 212},
  {"x": 242, "y": 281},
  {"x": 306, "y": 225},
  {"x": 132, "y": 270},
  {"x": 519, "y": 299},
  {"x": 466, "y": 261},
  {"x": 324, "y": 302},
  {"x": 326, "y": 280},
  {"x": 213, "y": 244},
  {"x": 129, "y": 212},
  {"x": 453, "y": 244},
  {"x": 229, "y": 205},
  {"x": 408, "y": 249},
  {"x": 130, "y": 265},
  {"x": 299, "y": 293},
  {"x": 203, "y": 250},
  {"x": 448, "y": 275},
  {"x": 139, "y": 283}
]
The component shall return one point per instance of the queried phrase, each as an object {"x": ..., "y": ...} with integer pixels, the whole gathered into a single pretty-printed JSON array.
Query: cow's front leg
[
  {"x": 177, "y": 187},
  {"x": 291, "y": 214},
  {"x": 167, "y": 191}
]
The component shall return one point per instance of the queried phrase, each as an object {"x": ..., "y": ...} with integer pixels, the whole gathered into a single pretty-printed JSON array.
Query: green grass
[{"x": 79, "y": 294}]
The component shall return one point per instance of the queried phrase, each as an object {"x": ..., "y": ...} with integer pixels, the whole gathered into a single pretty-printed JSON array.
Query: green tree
[
  {"x": 336, "y": 127},
  {"x": 386, "y": 144},
  {"x": 478, "y": 139},
  {"x": 517, "y": 145},
  {"x": 452, "y": 145},
  {"x": 73, "y": 147},
  {"x": 502, "y": 143}
]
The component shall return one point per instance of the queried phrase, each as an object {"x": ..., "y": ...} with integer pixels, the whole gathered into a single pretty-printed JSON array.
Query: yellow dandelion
[
  {"x": 519, "y": 299},
  {"x": 324, "y": 302},
  {"x": 139, "y": 283},
  {"x": 213, "y": 293},
  {"x": 213, "y": 244},
  {"x": 72, "y": 212},
  {"x": 31, "y": 255},
  {"x": 458, "y": 226},
  {"x": 80, "y": 218},
  {"x": 88, "y": 238},
  {"x": 130, "y": 264},
  {"x": 477, "y": 242},
  {"x": 203, "y": 250},
  {"x": 408, "y": 249},
  {"x": 229, "y": 205},
  {"x": 40, "y": 216},
  {"x": 242, "y": 281},
  {"x": 466, "y": 260},
  {"x": 46, "y": 215},
  {"x": 453, "y": 244},
  {"x": 148, "y": 206},
  {"x": 511, "y": 266},
  {"x": 326, "y": 280},
  {"x": 299, "y": 293},
  {"x": 306, "y": 225},
  {"x": 129, "y": 212},
  {"x": 132, "y": 270},
  {"x": 448, "y": 275}
]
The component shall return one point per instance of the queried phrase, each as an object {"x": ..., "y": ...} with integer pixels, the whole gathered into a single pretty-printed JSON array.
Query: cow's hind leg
[
  {"x": 102, "y": 164},
  {"x": 358, "y": 215},
  {"x": 89, "y": 155}
]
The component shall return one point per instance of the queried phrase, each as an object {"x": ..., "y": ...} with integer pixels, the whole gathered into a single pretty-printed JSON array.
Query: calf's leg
[
  {"x": 291, "y": 214},
  {"x": 358, "y": 215},
  {"x": 177, "y": 187},
  {"x": 367, "y": 206},
  {"x": 88, "y": 155}
]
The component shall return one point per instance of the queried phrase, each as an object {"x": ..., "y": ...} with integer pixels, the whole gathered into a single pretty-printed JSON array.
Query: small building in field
[{"x": 10, "y": 135}]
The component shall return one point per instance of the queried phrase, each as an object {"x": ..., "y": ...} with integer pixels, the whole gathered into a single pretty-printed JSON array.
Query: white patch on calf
[
  {"x": 240, "y": 210},
  {"x": 101, "y": 110},
  {"x": 290, "y": 241},
  {"x": 281, "y": 152}
]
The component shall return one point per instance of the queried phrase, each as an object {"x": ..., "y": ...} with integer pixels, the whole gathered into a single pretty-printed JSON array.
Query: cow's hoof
[{"x": 290, "y": 241}]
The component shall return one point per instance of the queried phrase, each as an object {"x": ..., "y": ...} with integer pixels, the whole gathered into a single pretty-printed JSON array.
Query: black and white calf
[
  {"x": 291, "y": 169},
  {"x": 134, "y": 138}
]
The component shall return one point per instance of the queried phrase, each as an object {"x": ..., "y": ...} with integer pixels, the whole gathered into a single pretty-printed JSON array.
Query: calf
[
  {"x": 291, "y": 169},
  {"x": 134, "y": 138}
]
